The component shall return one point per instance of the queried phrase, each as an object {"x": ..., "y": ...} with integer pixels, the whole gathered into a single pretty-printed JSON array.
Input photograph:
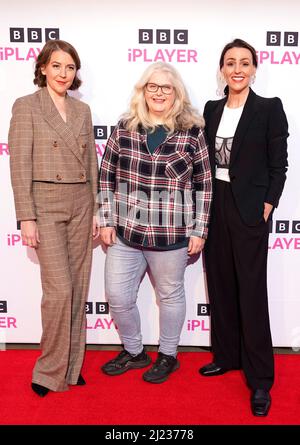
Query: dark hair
[
  {"x": 45, "y": 56},
  {"x": 238, "y": 43}
]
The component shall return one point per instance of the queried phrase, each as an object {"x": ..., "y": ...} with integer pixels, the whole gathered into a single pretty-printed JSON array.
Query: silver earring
[{"x": 252, "y": 80}]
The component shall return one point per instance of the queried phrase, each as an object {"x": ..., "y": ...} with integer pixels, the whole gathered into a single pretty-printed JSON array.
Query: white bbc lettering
[
  {"x": 146, "y": 36},
  {"x": 281, "y": 227},
  {"x": 52, "y": 35},
  {"x": 274, "y": 38},
  {"x": 180, "y": 36},
  {"x": 34, "y": 35},
  {"x": 17, "y": 35}
]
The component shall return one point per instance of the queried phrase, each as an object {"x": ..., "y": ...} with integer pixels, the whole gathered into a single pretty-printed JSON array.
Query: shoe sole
[
  {"x": 257, "y": 414},
  {"x": 163, "y": 379},
  {"x": 260, "y": 415},
  {"x": 213, "y": 374},
  {"x": 131, "y": 365}
]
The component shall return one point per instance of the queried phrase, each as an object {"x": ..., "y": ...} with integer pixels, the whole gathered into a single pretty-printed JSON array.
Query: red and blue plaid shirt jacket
[{"x": 156, "y": 199}]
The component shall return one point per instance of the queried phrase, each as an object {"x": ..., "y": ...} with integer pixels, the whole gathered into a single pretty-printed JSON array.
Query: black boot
[
  {"x": 80, "y": 381},
  {"x": 40, "y": 390}
]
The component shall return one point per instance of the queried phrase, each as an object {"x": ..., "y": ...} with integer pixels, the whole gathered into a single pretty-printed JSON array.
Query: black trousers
[{"x": 236, "y": 268}]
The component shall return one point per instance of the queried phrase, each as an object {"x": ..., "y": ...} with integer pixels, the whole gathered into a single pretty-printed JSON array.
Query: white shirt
[{"x": 224, "y": 137}]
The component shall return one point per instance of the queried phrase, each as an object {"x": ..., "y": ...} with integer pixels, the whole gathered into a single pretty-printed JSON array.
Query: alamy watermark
[{"x": 156, "y": 208}]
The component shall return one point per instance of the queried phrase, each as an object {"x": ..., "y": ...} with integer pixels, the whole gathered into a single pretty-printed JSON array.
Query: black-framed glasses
[{"x": 153, "y": 88}]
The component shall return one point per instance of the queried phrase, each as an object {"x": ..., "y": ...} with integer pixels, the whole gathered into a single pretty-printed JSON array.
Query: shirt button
[
  {"x": 82, "y": 176},
  {"x": 83, "y": 146},
  {"x": 58, "y": 177},
  {"x": 55, "y": 144}
]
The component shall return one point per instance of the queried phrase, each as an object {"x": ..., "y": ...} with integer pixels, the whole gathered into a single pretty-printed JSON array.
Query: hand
[
  {"x": 108, "y": 235},
  {"x": 30, "y": 233},
  {"x": 196, "y": 244},
  {"x": 267, "y": 210},
  {"x": 96, "y": 228}
]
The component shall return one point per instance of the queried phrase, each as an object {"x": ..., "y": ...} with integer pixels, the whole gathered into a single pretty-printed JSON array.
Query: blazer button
[
  {"x": 58, "y": 177},
  {"x": 82, "y": 176},
  {"x": 83, "y": 146},
  {"x": 55, "y": 144}
]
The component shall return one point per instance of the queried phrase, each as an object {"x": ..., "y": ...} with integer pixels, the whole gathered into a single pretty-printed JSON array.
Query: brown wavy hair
[{"x": 44, "y": 58}]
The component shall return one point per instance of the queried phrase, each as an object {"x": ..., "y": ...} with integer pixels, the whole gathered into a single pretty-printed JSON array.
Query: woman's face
[
  {"x": 160, "y": 101},
  {"x": 238, "y": 68},
  {"x": 60, "y": 72}
]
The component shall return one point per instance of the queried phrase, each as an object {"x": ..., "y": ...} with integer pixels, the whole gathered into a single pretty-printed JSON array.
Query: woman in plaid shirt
[{"x": 155, "y": 195}]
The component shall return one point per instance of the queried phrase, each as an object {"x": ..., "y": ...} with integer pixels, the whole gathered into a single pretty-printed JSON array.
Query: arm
[
  {"x": 277, "y": 135},
  {"x": 107, "y": 180},
  {"x": 202, "y": 183},
  {"x": 94, "y": 172},
  {"x": 206, "y": 111},
  {"x": 21, "y": 140}
]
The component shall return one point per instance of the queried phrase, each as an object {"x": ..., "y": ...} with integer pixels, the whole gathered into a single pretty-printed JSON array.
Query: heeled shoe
[
  {"x": 40, "y": 390},
  {"x": 80, "y": 381}
]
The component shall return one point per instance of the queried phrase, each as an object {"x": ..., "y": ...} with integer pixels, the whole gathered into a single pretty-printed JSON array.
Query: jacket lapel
[
  {"x": 214, "y": 121},
  {"x": 244, "y": 122},
  {"x": 67, "y": 131},
  {"x": 75, "y": 118}
]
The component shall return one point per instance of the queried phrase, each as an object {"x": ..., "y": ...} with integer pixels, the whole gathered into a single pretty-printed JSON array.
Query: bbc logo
[
  {"x": 3, "y": 306},
  {"x": 163, "y": 36},
  {"x": 100, "y": 307},
  {"x": 203, "y": 310},
  {"x": 101, "y": 131},
  {"x": 34, "y": 35},
  {"x": 289, "y": 38},
  {"x": 283, "y": 226}
]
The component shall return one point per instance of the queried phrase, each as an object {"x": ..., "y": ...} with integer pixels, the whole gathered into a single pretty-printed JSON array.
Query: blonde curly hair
[{"x": 182, "y": 115}]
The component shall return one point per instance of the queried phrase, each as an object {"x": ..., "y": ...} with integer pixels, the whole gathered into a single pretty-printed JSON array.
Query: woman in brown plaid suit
[{"x": 54, "y": 178}]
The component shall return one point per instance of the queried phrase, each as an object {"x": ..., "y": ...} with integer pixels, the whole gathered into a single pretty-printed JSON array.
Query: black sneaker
[
  {"x": 159, "y": 372},
  {"x": 125, "y": 361}
]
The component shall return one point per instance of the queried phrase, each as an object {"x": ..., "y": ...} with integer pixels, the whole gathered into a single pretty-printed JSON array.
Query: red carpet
[{"x": 185, "y": 399}]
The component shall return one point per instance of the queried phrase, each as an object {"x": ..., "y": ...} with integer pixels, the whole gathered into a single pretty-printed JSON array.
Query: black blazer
[{"x": 258, "y": 160}]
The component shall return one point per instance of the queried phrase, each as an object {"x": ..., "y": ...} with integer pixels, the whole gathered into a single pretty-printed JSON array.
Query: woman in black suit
[{"x": 247, "y": 136}]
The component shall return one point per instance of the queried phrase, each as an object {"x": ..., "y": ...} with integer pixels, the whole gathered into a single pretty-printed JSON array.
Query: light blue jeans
[{"x": 124, "y": 269}]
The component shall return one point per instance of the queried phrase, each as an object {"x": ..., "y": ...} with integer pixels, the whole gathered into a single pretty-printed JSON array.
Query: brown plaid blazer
[{"x": 45, "y": 148}]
